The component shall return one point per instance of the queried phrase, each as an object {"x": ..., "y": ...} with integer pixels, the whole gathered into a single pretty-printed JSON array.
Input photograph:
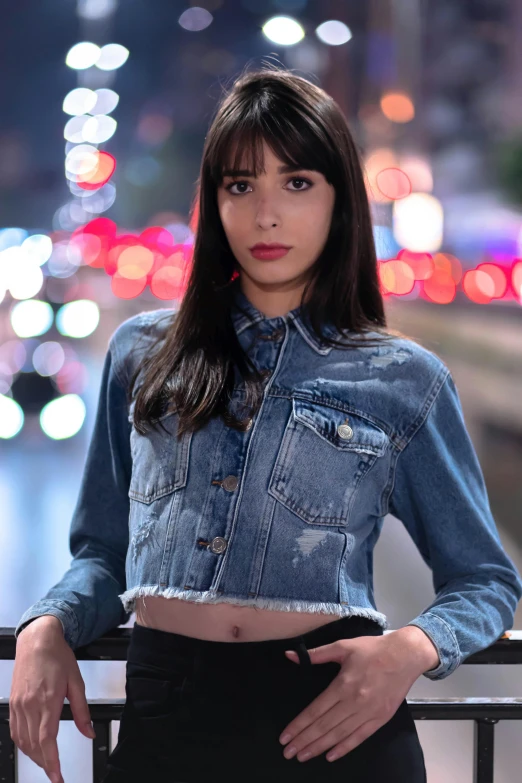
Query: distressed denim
[{"x": 285, "y": 514}]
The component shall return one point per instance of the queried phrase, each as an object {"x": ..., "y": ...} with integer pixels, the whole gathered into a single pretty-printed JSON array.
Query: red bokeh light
[
  {"x": 421, "y": 263},
  {"x": 440, "y": 288},
  {"x": 124, "y": 288}
]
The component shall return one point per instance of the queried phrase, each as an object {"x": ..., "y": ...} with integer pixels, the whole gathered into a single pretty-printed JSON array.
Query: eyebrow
[{"x": 286, "y": 169}]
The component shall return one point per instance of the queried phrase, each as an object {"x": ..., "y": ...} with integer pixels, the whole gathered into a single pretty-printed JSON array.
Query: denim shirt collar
[{"x": 252, "y": 315}]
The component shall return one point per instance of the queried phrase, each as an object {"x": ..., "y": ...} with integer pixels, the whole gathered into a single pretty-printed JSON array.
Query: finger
[
  {"x": 353, "y": 740},
  {"x": 48, "y": 742},
  {"x": 13, "y": 728},
  {"x": 321, "y": 704},
  {"x": 324, "y": 733},
  {"x": 24, "y": 737},
  {"x": 33, "y": 726}
]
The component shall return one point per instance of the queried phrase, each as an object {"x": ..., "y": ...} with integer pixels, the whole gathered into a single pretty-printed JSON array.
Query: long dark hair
[{"x": 192, "y": 370}]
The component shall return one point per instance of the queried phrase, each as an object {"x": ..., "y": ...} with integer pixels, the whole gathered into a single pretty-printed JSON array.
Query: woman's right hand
[{"x": 45, "y": 673}]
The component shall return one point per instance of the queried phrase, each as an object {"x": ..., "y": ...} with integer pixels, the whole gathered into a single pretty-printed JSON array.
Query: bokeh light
[
  {"x": 283, "y": 30},
  {"x": 31, "y": 318},
  {"x": 63, "y": 417},
  {"x": 333, "y": 32},
  {"x": 78, "y": 319},
  {"x": 418, "y": 222},
  {"x": 11, "y": 417},
  {"x": 397, "y": 107}
]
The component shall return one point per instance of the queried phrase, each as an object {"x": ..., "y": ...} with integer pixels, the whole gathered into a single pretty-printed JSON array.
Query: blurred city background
[{"x": 105, "y": 106}]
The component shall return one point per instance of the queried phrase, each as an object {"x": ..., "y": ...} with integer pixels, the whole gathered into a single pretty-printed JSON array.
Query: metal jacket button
[
  {"x": 230, "y": 483},
  {"x": 345, "y": 431},
  {"x": 218, "y": 545}
]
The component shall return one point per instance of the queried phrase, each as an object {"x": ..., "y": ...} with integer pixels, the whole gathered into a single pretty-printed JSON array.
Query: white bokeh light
[
  {"x": 63, "y": 417},
  {"x": 333, "y": 32},
  {"x": 26, "y": 279},
  {"x": 99, "y": 129},
  {"x": 81, "y": 100},
  {"x": 11, "y": 417},
  {"x": 106, "y": 101},
  {"x": 195, "y": 19},
  {"x": 418, "y": 222},
  {"x": 82, "y": 55},
  {"x": 73, "y": 130},
  {"x": 81, "y": 161},
  {"x": 283, "y": 30},
  {"x": 38, "y": 248},
  {"x": 11, "y": 237},
  {"x": 31, "y": 318},
  {"x": 112, "y": 56},
  {"x": 96, "y": 9},
  {"x": 78, "y": 319}
]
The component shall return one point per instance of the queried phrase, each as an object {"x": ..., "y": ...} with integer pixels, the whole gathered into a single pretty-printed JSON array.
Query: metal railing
[{"x": 113, "y": 647}]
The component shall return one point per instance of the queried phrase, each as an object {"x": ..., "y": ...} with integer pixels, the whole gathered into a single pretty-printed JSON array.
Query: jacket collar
[{"x": 252, "y": 315}]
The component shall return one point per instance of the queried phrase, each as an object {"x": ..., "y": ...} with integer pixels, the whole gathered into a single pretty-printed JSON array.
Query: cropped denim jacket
[{"x": 285, "y": 514}]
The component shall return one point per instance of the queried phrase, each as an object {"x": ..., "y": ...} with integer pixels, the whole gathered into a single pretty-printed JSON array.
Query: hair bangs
[{"x": 292, "y": 140}]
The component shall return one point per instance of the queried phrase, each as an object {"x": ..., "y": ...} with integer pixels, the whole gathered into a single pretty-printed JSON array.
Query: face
[{"x": 293, "y": 208}]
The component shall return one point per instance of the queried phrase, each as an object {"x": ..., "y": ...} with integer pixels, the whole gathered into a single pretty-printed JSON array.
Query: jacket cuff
[
  {"x": 56, "y": 608},
  {"x": 442, "y": 636}
]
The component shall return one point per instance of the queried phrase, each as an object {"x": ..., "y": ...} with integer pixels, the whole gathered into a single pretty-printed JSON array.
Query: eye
[
  {"x": 302, "y": 179},
  {"x": 293, "y": 179},
  {"x": 228, "y": 187}
]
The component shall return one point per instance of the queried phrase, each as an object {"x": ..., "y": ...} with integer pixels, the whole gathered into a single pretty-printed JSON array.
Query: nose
[{"x": 266, "y": 216}]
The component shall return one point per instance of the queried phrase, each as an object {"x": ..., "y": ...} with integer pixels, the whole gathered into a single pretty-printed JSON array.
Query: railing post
[
  {"x": 483, "y": 750},
  {"x": 7, "y": 754},
  {"x": 100, "y": 748}
]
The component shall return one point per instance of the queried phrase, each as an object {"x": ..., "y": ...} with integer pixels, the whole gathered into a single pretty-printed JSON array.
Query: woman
[{"x": 246, "y": 451}]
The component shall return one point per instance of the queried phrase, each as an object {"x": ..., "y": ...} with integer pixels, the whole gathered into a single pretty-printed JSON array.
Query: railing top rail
[{"x": 113, "y": 645}]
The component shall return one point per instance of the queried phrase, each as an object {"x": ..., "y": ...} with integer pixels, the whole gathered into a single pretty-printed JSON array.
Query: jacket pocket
[
  {"x": 160, "y": 461},
  {"x": 323, "y": 459}
]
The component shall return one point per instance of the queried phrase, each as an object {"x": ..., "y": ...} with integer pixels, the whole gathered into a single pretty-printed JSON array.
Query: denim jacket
[{"x": 285, "y": 514}]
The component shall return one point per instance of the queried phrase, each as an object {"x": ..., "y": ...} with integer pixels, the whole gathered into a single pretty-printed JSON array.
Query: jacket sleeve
[
  {"x": 440, "y": 496},
  {"x": 86, "y": 599}
]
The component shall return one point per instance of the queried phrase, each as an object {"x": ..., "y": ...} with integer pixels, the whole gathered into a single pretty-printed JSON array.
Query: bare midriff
[{"x": 224, "y": 622}]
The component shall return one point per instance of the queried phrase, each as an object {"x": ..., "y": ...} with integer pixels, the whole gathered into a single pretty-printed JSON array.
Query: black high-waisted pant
[{"x": 198, "y": 711}]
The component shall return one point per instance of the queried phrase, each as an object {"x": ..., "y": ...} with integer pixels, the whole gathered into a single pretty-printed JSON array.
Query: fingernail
[
  {"x": 55, "y": 778},
  {"x": 285, "y": 738}
]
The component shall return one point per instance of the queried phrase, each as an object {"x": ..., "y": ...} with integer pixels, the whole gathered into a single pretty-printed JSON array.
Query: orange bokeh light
[
  {"x": 450, "y": 264},
  {"x": 99, "y": 174},
  {"x": 397, "y": 277},
  {"x": 135, "y": 262},
  {"x": 166, "y": 282},
  {"x": 397, "y": 107}
]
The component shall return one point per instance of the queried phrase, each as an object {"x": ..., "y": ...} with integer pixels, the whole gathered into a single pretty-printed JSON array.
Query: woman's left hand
[{"x": 376, "y": 674}]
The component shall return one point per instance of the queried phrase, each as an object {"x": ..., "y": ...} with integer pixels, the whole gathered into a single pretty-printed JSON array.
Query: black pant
[{"x": 198, "y": 711}]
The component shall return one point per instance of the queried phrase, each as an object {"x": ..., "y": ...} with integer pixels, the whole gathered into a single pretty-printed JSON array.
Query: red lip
[{"x": 273, "y": 246}]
